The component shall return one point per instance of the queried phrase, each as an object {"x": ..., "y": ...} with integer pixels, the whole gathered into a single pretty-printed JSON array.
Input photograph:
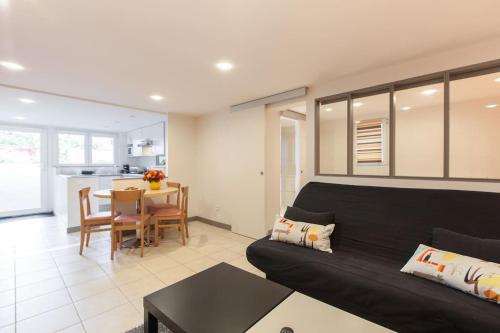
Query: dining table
[{"x": 106, "y": 194}]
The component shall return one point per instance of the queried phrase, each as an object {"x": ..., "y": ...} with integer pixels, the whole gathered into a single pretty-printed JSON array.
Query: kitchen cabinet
[{"x": 155, "y": 133}]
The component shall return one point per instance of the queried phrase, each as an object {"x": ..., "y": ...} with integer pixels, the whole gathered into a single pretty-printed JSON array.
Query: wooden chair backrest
[
  {"x": 178, "y": 195},
  {"x": 127, "y": 197},
  {"x": 185, "y": 200},
  {"x": 83, "y": 195}
]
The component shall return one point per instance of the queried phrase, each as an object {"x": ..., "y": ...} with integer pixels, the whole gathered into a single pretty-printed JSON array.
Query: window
[
  {"x": 441, "y": 126},
  {"x": 103, "y": 150},
  {"x": 370, "y": 142},
  {"x": 333, "y": 128},
  {"x": 474, "y": 127},
  {"x": 71, "y": 148},
  {"x": 76, "y": 148},
  {"x": 419, "y": 118},
  {"x": 371, "y": 135}
]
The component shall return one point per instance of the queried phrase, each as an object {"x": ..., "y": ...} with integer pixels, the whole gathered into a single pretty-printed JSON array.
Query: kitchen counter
[
  {"x": 65, "y": 194},
  {"x": 117, "y": 176}
]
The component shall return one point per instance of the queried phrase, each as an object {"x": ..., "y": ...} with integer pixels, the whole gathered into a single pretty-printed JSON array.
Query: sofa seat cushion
[{"x": 374, "y": 288}]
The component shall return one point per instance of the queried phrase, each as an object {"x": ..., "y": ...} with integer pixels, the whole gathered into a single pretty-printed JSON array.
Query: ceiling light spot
[
  {"x": 224, "y": 66},
  {"x": 11, "y": 66},
  {"x": 19, "y": 118},
  {"x": 428, "y": 92},
  {"x": 26, "y": 100},
  {"x": 156, "y": 97},
  {"x": 491, "y": 106},
  {"x": 405, "y": 108},
  {"x": 357, "y": 104},
  {"x": 328, "y": 109}
]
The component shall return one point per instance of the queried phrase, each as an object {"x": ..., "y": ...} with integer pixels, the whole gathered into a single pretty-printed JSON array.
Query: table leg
[{"x": 150, "y": 323}]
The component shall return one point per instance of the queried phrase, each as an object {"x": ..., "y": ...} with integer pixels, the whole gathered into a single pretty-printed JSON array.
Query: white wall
[
  {"x": 219, "y": 153},
  {"x": 473, "y": 54},
  {"x": 182, "y": 159}
]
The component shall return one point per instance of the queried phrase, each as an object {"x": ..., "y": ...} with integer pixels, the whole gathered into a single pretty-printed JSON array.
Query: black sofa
[{"x": 377, "y": 231}]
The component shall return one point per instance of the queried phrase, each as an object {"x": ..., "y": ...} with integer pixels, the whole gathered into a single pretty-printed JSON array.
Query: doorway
[
  {"x": 292, "y": 141},
  {"x": 22, "y": 171}
]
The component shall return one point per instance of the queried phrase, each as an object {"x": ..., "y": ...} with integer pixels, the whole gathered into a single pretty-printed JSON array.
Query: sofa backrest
[{"x": 391, "y": 222}]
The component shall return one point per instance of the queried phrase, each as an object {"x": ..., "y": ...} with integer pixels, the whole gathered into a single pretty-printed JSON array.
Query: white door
[
  {"x": 246, "y": 176},
  {"x": 23, "y": 172}
]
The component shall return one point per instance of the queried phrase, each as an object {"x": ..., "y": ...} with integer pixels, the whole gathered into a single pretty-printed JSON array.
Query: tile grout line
[
  {"x": 71, "y": 298},
  {"x": 52, "y": 252}
]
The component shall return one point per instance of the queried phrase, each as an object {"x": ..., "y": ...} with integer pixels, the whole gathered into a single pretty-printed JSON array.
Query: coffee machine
[{"x": 126, "y": 168}]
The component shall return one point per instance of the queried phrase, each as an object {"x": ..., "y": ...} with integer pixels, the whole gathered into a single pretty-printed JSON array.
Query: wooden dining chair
[
  {"x": 91, "y": 222},
  {"x": 166, "y": 217},
  {"x": 176, "y": 204},
  {"x": 128, "y": 221}
]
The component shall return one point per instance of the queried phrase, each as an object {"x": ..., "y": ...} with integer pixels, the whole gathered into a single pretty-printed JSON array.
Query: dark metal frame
[{"x": 440, "y": 77}]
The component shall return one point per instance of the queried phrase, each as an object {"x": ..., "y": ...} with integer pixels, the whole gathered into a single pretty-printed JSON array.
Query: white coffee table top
[{"x": 304, "y": 315}]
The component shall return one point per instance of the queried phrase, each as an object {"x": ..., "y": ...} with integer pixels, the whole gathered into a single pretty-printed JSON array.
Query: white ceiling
[
  {"x": 122, "y": 51},
  {"x": 70, "y": 113}
]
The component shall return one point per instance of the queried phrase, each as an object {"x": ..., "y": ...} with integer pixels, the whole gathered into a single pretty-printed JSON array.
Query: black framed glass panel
[
  {"x": 333, "y": 129},
  {"x": 371, "y": 135},
  {"x": 419, "y": 131},
  {"x": 474, "y": 127}
]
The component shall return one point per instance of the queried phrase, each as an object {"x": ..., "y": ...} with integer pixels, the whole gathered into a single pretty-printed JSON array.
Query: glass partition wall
[
  {"x": 439, "y": 126},
  {"x": 371, "y": 135}
]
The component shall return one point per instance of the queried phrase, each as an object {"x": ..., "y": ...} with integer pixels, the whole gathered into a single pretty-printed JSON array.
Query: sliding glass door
[{"x": 22, "y": 171}]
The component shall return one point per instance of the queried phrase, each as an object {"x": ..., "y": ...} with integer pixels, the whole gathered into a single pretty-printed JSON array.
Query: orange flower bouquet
[{"x": 154, "y": 177}]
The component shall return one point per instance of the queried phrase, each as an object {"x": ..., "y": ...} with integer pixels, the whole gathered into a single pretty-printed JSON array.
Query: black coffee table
[{"x": 220, "y": 299}]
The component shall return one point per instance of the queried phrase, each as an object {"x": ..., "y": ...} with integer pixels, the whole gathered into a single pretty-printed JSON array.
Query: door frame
[{"x": 44, "y": 160}]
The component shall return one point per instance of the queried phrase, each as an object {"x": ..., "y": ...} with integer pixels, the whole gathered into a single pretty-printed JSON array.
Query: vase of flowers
[{"x": 154, "y": 177}]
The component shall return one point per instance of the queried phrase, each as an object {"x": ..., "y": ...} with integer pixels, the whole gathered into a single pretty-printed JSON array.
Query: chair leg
[
  {"x": 142, "y": 242},
  {"x": 157, "y": 227},
  {"x": 113, "y": 241},
  {"x": 82, "y": 238},
  {"x": 148, "y": 235},
  {"x": 183, "y": 233},
  {"x": 186, "y": 226},
  {"x": 88, "y": 237}
]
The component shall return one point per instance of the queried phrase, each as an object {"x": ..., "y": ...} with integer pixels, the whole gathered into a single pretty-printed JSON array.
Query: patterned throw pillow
[
  {"x": 474, "y": 276},
  {"x": 304, "y": 234}
]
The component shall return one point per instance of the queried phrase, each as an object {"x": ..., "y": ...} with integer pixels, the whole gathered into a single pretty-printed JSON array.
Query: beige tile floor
[{"x": 46, "y": 286}]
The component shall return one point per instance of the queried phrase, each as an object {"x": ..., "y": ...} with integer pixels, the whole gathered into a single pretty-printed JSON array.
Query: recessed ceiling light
[
  {"x": 20, "y": 118},
  {"x": 405, "y": 108},
  {"x": 156, "y": 97},
  {"x": 497, "y": 79},
  {"x": 11, "y": 65},
  {"x": 328, "y": 109},
  {"x": 224, "y": 66},
  {"x": 26, "y": 100},
  {"x": 491, "y": 106},
  {"x": 357, "y": 104},
  {"x": 357, "y": 121},
  {"x": 428, "y": 92}
]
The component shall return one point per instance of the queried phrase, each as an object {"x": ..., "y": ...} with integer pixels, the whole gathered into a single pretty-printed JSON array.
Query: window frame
[
  {"x": 87, "y": 147},
  {"x": 439, "y": 77},
  {"x": 115, "y": 150},
  {"x": 71, "y": 132}
]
